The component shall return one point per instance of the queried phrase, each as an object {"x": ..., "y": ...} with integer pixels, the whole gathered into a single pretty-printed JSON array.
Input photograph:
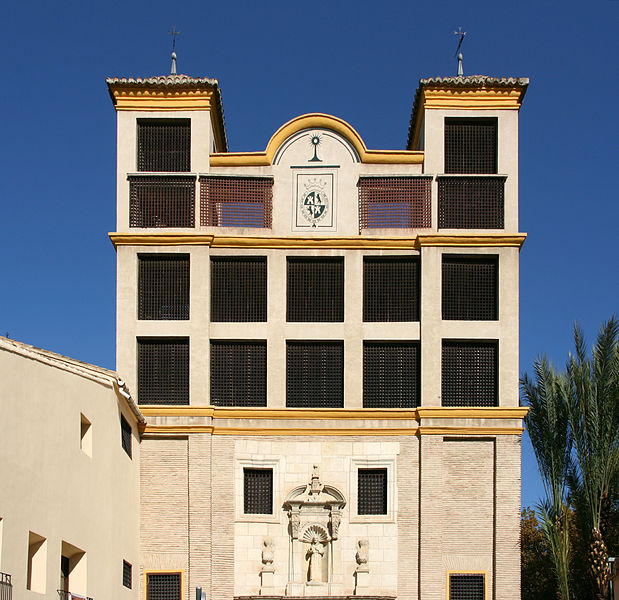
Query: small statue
[
  {"x": 267, "y": 554},
  {"x": 362, "y": 557},
  {"x": 315, "y": 553}
]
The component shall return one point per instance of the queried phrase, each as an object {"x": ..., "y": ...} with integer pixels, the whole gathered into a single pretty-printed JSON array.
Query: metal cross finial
[
  {"x": 458, "y": 53},
  {"x": 173, "y": 33}
]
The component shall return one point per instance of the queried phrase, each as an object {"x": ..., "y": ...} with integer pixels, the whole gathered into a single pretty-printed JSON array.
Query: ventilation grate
[
  {"x": 467, "y": 587},
  {"x": 238, "y": 289},
  {"x": 164, "y": 145},
  {"x": 163, "y": 371},
  {"x": 372, "y": 492},
  {"x": 236, "y": 201},
  {"x": 238, "y": 373},
  {"x": 391, "y": 375},
  {"x": 470, "y": 146},
  {"x": 163, "y": 287},
  {"x": 161, "y": 201},
  {"x": 391, "y": 288},
  {"x": 315, "y": 374},
  {"x": 470, "y": 288},
  {"x": 315, "y": 290},
  {"x": 163, "y": 586},
  {"x": 258, "y": 491},
  {"x": 469, "y": 374},
  {"x": 394, "y": 202}
]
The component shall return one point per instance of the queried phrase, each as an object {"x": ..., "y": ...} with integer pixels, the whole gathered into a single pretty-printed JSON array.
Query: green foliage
[{"x": 538, "y": 582}]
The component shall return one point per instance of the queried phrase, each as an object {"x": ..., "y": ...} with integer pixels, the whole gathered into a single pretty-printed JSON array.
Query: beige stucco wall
[{"x": 52, "y": 488}]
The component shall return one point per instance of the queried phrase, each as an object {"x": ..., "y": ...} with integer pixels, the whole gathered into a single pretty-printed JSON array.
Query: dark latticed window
[
  {"x": 315, "y": 374},
  {"x": 236, "y": 201},
  {"x": 163, "y": 371},
  {"x": 471, "y": 146},
  {"x": 394, "y": 202},
  {"x": 258, "y": 491},
  {"x": 125, "y": 435},
  {"x": 315, "y": 289},
  {"x": 391, "y": 288},
  {"x": 161, "y": 201},
  {"x": 126, "y": 574},
  {"x": 471, "y": 202},
  {"x": 470, "y": 288},
  {"x": 239, "y": 289},
  {"x": 163, "y": 287},
  {"x": 470, "y": 374},
  {"x": 238, "y": 373},
  {"x": 467, "y": 587},
  {"x": 164, "y": 145},
  {"x": 391, "y": 374},
  {"x": 372, "y": 492},
  {"x": 163, "y": 586}
]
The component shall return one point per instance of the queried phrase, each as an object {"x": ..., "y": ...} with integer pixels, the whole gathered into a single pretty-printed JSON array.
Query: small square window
[
  {"x": 467, "y": 587},
  {"x": 163, "y": 287},
  {"x": 164, "y": 145},
  {"x": 126, "y": 574},
  {"x": 163, "y": 371},
  {"x": 258, "y": 491},
  {"x": 163, "y": 586},
  {"x": 471, "y": 145},
  {"x": 125, "y": 435},
  {"x": 372, "y": 492}
]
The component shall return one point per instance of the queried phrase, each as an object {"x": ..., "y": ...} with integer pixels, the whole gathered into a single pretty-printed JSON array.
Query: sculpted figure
[
  {"x": 315, "y": 553},
  {"x": 362, "y": 556},
  {"x": 267, "y": 554}
]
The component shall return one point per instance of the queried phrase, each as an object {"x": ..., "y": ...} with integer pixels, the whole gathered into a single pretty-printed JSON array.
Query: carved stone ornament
[
  {"x": 268, "y": 554},
  {"x": 363, "y": 555}
]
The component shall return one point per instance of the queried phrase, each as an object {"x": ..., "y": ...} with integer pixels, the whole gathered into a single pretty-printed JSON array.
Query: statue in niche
[
  {"x": 362, "y": 557},
  {"x": 315, "y": 553},
  {"x": 267, "y": 554}
]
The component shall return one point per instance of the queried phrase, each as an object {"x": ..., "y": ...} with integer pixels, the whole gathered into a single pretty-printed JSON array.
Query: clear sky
[{"x": 274, "y": 60}]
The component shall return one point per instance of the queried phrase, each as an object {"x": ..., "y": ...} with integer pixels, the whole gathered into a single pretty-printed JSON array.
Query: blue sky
[{"x": 275, "y": 60}]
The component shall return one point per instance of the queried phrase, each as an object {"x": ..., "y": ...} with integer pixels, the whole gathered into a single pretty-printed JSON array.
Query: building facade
[{"x": 323, "y": 340}]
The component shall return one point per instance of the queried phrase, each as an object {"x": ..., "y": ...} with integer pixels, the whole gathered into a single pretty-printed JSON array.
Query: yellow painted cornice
[
  {"x": 414, "y": 242},
  {"x": 480, "y": 431},
  {"x": 131, "y": 97},
  {"x": 315, "y": 121},
  {"x": 444, "y": 412}
]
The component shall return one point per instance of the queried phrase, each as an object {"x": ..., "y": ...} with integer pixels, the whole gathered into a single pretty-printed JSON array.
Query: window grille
[
  {"x": 467, "y": 587},
  {"x": 470, "y": 374},
  {"x": 470, "y": 146},
  {"x": 470, "y": 288},
  {"x": 161, "y": 201},
  {"x": 164, "y": 145},
  {"x": 163, "y": 371},
  {"x": 163, "y": 586},
  {"x": 126, "y": 574},
  {"x": 163, "y": 287},
  {"x": 372, "y": 492},
  {"x": 239, "y": 289},
  {"x": 393, "y": 202},
  {"x": 236, "y": 201},
  {"x": 391, "y": 288},
  {"x": 315, "y": 374},
  {"x": 258, "y": 491},
  {"x": 315, "y": 289},
  {"x": 471, "y": 202},
  {"x": 238, "y": 373},
  {"x": 125, "y": 435},
  {"x": 391, "y": 374}
]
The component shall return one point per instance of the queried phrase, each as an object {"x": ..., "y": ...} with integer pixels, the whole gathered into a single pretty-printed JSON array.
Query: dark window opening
[
  {"x": 164, "y": 145},
  {"x": 163, "y": 287},
  {"x": 372, "y": 492},
  {"x": 258, "y": 491},
  {"x": 161, "y": 201},
  {"x": 163, "y": 586},
  {"x": 126, "y": 574},
  {"x": 471, "y": 146},
  {"x": 467, "y": 587},
  {"x": 163, "y": 371}
]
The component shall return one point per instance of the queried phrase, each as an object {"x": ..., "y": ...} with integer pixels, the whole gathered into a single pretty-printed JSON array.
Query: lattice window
[
  {"x": 315, "y": 289},
  {"x": 315, "y": 374},
  {"x": 163, "y": 287},
  {"x": 125, "y": 435},
  {"x": 239, "y": 289},
  {"x": 470, "y": 374},
  {"x": 391, "y": 374},
  {"x": 470, "y": 146},
  {"x": 470, "y": 288},
  {"x": 372, "y": 492},
  {"x": 126, "y": 574},
  {"x": 391, "y": 288},
  {"x": 471, "y": 202},
  {"x": 236, "y": 201},
  {"x": 394, "y": 202},
  {"x": 258, "y": 491},
  {"x": 238, "y": 373},
  {"x": 467, "y": 587},
  {"x": 164, "y": 145},
  {"x": 161, "y": 201},
  {"x": 163, "y": 371},
  {"x": 163, "y": 586}
]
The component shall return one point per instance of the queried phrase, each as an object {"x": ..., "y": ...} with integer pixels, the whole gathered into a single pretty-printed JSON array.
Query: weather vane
[
  {"x": 173, "y": 33},
  {"x": 458, "y": 53}
]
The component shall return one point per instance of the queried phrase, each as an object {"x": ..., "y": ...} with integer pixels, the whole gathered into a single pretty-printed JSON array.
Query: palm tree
[
  {"x": 548, "y": 427},
  {"x": 591, "y": 393}
]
